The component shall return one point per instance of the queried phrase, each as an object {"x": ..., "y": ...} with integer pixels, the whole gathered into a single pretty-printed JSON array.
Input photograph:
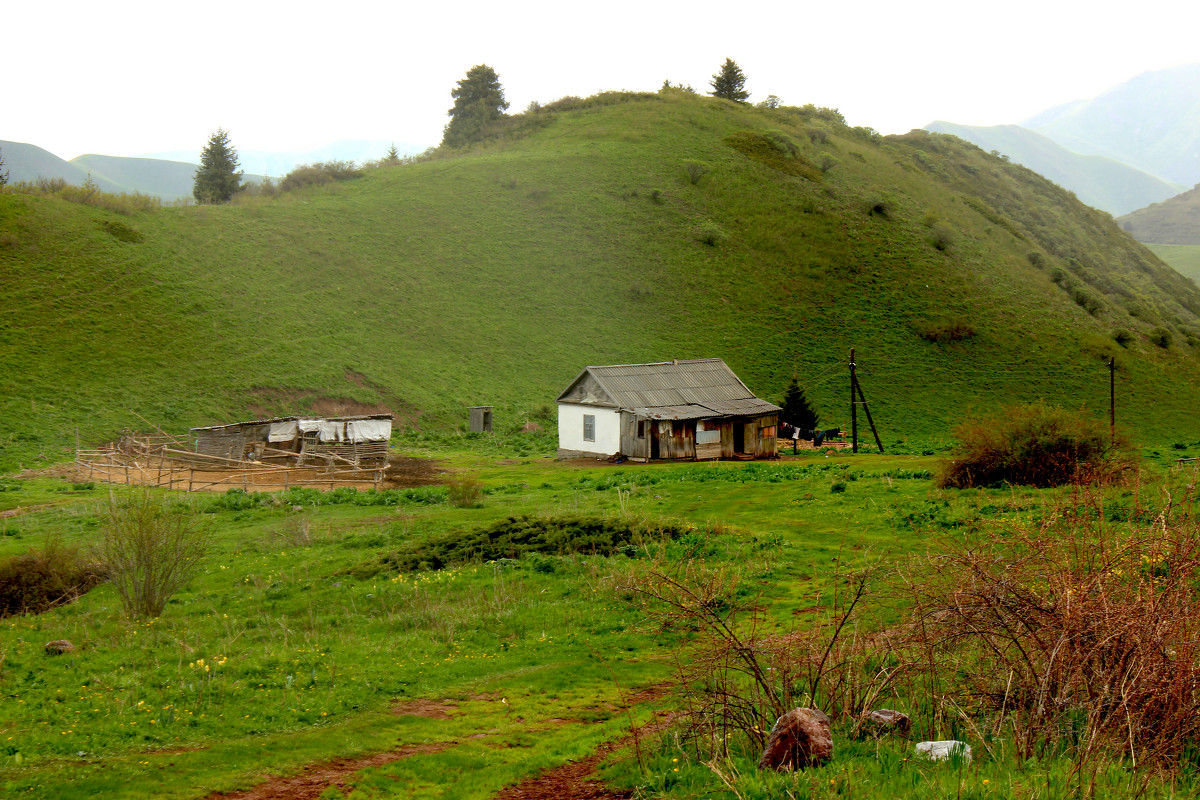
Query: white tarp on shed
[
  {"x": 369, "y": 430},
  {"x": 285, "y": 431}
]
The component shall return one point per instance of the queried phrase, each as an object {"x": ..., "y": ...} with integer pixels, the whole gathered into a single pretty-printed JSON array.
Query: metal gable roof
[{"x": 692, "y": 389}]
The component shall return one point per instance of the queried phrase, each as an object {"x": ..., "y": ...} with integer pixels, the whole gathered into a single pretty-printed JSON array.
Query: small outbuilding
[
  {"x": 360, "y": 441},
  {"x": 694, "y": 409}
]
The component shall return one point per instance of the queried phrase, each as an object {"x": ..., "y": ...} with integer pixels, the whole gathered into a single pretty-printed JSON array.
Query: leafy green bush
[
  {"x": 1161, "y": 337},
  {"x": 695, "y": 171},
  {"x": 710, "y": 233},
  {"x": 1032, "y": 445}
]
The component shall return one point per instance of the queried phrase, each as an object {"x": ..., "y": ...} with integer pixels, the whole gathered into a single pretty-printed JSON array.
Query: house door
[
  {"x": 739, "y": 437},
  {"x": 654, "y": 449}
]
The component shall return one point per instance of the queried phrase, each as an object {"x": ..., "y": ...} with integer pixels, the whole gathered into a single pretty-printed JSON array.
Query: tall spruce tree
[
  {"x": 3, "y": 171},
  {"x": 796, "y": 408},
  {"x": 730, "y": 82},
  {"x": 217, "y": 178},
  {"x": 478, "y": 101}
]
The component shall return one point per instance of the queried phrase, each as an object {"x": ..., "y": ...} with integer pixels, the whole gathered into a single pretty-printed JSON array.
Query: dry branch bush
[
  {"x": 1076, "y": 631},
  {"x": 739, "y": 672},
  {"x": 150, "y": 548}
]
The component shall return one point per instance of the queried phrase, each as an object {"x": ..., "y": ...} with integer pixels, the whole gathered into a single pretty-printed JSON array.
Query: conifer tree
[
  {"x": 392, "y": 156},
  {"x": 3, "y": 171},
  {"x": 217, "y": 178},
  {"x": 730, "y": 82},
  {"x": 796, "y": 408},
  {"x": 478, "y": 101}
]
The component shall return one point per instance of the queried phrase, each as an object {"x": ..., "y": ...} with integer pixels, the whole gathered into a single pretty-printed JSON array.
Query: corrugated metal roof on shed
[{"x": 692, "y": 389}]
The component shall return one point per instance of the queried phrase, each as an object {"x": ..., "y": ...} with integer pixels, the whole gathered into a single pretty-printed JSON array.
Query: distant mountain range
[
  {"x": 1131, "y": 146},
  {"x": 169, "y": 175},
  {"x": 1099, "y": 181}
]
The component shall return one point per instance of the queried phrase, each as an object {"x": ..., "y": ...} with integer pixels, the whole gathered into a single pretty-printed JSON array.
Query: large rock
[
  {"x": 59, "y": 647},
  {"x": 802, "y": 737},
  {"x": 943, "y": 749},
  {"x": 885, "y": 720}
]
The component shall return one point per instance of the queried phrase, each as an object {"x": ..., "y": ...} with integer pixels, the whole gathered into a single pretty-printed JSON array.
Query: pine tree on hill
[
  {"x": 217, "y": 178},
  {"x": 3, "y": 171},
  {"x": 478, "y": 101},
  {"x": 730, "y": 82},
  {"x": 796, "y": 408}
]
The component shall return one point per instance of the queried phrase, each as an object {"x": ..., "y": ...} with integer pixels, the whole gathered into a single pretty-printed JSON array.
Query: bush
[
  {"x": 1161, "y": 337},
  {"x": 38, "y": 580},
  {"x": 1032, "y": 445},
  {"x": 945, "y": 329},
  {"x": 1072, "y": 631},
  {"x": 695, "y": 171},
  {"x": 710, "y": 233},
  {"x": 319, "y": 173},
  {"x": 150, "y": 548},
  {"x": 465, "y": 491}
]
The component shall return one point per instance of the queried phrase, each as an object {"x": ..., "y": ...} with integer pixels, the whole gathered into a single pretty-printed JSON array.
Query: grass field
[
  {"x": 299, "y": 641},
  {"x": 1185, "y": 258}
]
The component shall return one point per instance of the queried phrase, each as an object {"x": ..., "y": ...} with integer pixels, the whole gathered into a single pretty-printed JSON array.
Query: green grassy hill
[
  {"x": 1098, "y": 181},
  {"x": 620, "y": 228},
  {"x": 1175, "y": 221}
]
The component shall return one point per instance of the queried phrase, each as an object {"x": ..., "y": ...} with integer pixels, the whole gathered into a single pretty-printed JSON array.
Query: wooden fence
[{"x": 161, "y": 460}]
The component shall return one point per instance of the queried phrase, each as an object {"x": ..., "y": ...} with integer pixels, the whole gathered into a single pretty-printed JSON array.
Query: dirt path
[{"x": 574, "y": 780}]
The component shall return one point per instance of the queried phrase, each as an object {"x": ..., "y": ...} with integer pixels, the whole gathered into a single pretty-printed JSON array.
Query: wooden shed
[
  {"x": 694, "y": 409},
  {"x": 361, "y": 441}
]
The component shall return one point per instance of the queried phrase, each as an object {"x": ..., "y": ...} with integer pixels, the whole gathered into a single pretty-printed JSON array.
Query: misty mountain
[
  {"x": 1151, "y": 122},
  {"x": 1100, "y": 182}
]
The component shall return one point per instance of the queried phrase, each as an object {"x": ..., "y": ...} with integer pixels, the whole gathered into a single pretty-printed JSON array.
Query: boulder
[
  {"x": 943, "y": 749},
  {"x": 59, "y": 647},
  {"x": 531, "y": 427},
  {"x": 885, "y": 720},
  {"x": 803, "y": 737}
]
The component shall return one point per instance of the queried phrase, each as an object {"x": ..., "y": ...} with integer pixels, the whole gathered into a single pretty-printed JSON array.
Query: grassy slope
[
  {"x": 1175, "y": 221},
  {"x": 493, "y": 277},
  {"x": 1185, "y": 258}
]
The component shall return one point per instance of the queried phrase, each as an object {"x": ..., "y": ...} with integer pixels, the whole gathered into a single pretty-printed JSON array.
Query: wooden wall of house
[
  {"x": 676, "y": 438},
  {"x": 632, "y": 445},
  {"x": 763, "y": 430}
]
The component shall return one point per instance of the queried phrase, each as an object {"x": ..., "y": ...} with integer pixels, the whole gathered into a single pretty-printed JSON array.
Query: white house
[{"x": 672, "y": 409}]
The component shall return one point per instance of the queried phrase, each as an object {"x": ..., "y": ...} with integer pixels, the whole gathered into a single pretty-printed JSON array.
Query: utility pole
[
  {"x": 1112, "y": 401},
  {"x": 853, "y": 404},
  {"x": 857, "y": 396}
]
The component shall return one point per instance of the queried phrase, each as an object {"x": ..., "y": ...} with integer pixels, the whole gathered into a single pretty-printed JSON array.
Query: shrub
[
  {"x": 695, "y": 171},
  {"x": 150, "y": 548},
  {"x": 710, "y": 233},
  {"x": 1086, "y": 300},
  {"x": 945, "y": 329},
  {"x": 38, "y": 580},
  {"x": 1123, "y": 337},
  {"x": 1072, "y": 632},
  {"x": 1032, "y": 445},
  {"x": 465, "y": 491},
  {"x": 1161, "y": 337},
  {"x": 319, "y": 173},
  {"x": 941, "y": 236}
]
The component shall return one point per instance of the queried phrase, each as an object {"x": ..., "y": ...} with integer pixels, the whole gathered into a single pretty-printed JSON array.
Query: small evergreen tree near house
[
  {"x": 217, "y": 178},
  {"x": 730, "y": 82},
  {"x": 796, "y": 408},
  {"x": 478, "y": 101}
]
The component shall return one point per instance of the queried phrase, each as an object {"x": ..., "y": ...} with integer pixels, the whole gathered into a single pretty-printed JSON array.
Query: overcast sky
[{"x": 129, "y": 77}]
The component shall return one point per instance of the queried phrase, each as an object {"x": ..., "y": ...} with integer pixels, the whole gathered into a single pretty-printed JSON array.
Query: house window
[
  {"x": 641, "y": 429},
  {"x": 589, "y": 427}
]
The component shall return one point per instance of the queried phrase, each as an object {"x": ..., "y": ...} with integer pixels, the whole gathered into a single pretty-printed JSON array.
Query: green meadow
[{"x": 303, "y": 638}]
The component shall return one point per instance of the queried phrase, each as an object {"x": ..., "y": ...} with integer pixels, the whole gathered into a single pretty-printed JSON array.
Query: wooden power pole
[{"x": 857, "y": 396}]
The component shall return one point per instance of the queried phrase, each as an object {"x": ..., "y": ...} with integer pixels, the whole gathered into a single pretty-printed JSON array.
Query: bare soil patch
[
  {"x": 423, "y": 708},
  {"x": 316, "y": 778}
]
